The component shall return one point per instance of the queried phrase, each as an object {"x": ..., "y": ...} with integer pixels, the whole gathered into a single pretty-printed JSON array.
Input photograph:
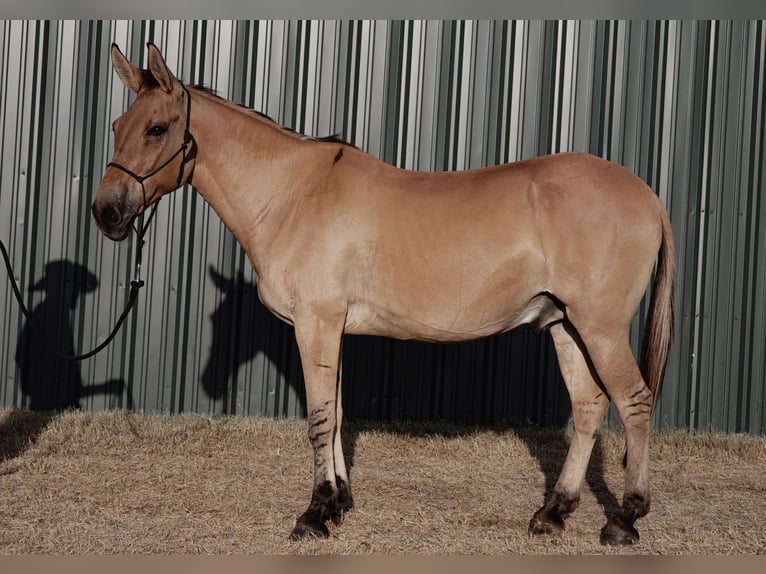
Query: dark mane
[{"x": 334, "y": 138}]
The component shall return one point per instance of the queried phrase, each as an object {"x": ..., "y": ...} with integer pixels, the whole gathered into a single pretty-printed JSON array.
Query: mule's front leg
[{"x": 319, "y": 345}]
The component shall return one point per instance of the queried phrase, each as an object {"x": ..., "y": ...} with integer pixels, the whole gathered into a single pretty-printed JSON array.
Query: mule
[{"x": 341, "y": 242}]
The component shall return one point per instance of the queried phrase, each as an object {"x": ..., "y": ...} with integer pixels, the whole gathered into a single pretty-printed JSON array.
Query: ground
[{"x": 121, "y": 482}]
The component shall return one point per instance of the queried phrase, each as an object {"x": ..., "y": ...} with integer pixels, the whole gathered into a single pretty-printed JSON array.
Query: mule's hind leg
[
  {"x": 618, "y": 371},
  {"x": 319, "y": 344},
  {"x": 589, "y": 403},
  {"x": 345, "y": 499}
]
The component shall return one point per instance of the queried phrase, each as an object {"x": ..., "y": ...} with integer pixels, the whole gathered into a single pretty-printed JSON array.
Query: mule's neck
[{"x": 245, "y": 169}]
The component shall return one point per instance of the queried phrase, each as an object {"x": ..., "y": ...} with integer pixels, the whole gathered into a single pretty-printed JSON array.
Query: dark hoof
[
  {"x": 339, "y": 512},
  {"x": 337, "y": 516},
  {"x": 305, "y": 531},
  {"x": 544, "y": 523},
  {"x": 617, "y": 532},
  {"x": 343, "y": 503}
]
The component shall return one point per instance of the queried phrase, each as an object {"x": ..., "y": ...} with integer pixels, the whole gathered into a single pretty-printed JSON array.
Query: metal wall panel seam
[
  {"x": 741, "y": 234},
  {"x": 726, "y": 292},
  {"x": 678, "y": 208},
  {"x": 717, "y": 265},
  {"x": 754, "y": 393},
  {"x": 759, "y": 169},
  {"x": 738, "y": 250},
  {"x": 748, "y": 239},
  {"x": 709, "y": 281},
  {"x": 27, "y": 170},
  {"x": 703, "y": 224},
  {"x": 6, "y": 302},
  {"x": 755, "y": 157},
  {"x": 7, "y": 201}
]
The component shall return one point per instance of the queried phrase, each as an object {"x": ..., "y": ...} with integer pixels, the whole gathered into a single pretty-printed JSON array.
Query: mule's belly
[
  {"x": 455, "y": 302},
  {"x": 539, "y": 310}
]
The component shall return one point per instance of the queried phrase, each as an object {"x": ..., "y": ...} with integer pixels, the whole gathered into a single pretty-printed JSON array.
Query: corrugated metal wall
[{"x": 679, "y": 103}]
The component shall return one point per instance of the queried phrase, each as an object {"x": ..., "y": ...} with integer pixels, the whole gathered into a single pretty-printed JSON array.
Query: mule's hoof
[
  {"x": 617, "y": 532},
  {"x": 337, "y": 517},
  {"x": 305, "y": 531},
  {"x": 543, "y": 523},
  {"x": 340, "y": 510},
  {"x": 344, "y": 503}
]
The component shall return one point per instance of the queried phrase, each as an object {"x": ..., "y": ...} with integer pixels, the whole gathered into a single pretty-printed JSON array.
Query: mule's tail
[
  {"x": 658, "y": 334},
  {"x": 660, "y": 326}
]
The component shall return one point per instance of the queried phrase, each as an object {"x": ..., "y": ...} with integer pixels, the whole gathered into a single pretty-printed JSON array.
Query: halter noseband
[{"x": 185, "y": 158}]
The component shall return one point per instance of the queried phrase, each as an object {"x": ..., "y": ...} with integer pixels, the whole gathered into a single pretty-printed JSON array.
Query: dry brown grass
[{"x": 129, "y": 483}]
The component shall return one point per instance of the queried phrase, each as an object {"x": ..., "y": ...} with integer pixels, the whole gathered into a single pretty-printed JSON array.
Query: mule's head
[{"x": 148, "y": 141}]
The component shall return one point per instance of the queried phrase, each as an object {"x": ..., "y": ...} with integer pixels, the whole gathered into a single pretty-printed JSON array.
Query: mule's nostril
[{"x": 110, "y": 216}]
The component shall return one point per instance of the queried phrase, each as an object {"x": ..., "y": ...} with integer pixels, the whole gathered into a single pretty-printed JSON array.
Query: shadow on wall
[
  {"x": 242, "y": 328},
  {"x": 50, "y": 383},
  {"x": 512, "y": 377},
  {"x": 504, "y": 382}
]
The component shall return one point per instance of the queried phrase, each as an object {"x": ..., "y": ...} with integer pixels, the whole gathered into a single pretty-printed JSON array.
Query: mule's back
[{"x": 466, "y": 254}]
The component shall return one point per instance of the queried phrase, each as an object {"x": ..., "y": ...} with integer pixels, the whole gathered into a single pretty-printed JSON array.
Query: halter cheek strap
[{"x": 188, "y": 151}]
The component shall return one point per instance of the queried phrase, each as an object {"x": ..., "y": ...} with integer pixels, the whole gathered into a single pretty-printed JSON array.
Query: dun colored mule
[{"x": 344, "y": 243}]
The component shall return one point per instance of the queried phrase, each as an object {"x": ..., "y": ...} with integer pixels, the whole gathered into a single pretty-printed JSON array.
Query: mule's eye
[{"x": 155, "y": 130}]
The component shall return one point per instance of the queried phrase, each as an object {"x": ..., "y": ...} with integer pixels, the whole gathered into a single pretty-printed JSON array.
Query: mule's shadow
[
  {"x": 550, "y": 449},
  {"x": 48, "y": 382},
  {"x": 510, "y": 382}
]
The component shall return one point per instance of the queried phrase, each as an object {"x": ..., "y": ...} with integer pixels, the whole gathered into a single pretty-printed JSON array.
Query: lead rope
[
  {"x": 135, "y": 285},
  {"x": 189, "y": 144}
]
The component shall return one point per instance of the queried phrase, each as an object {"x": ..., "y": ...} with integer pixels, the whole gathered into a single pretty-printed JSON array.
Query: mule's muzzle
[{"x": 114, "y": 218}]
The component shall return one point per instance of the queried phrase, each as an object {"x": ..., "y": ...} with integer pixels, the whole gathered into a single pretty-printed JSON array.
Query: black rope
[
  {"x": 135, "y": 285},
  {"x": 188, "y": 151}
]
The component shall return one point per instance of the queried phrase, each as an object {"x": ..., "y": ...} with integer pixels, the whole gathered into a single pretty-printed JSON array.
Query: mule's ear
[
  {"x": 159, "y": 69},
  {"x": 219, "y": 280},
  {"x": 128, "y": 73}
]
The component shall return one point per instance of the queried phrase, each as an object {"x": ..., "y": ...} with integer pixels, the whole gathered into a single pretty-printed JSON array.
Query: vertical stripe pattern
[{"x": 680, "y": 103}]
